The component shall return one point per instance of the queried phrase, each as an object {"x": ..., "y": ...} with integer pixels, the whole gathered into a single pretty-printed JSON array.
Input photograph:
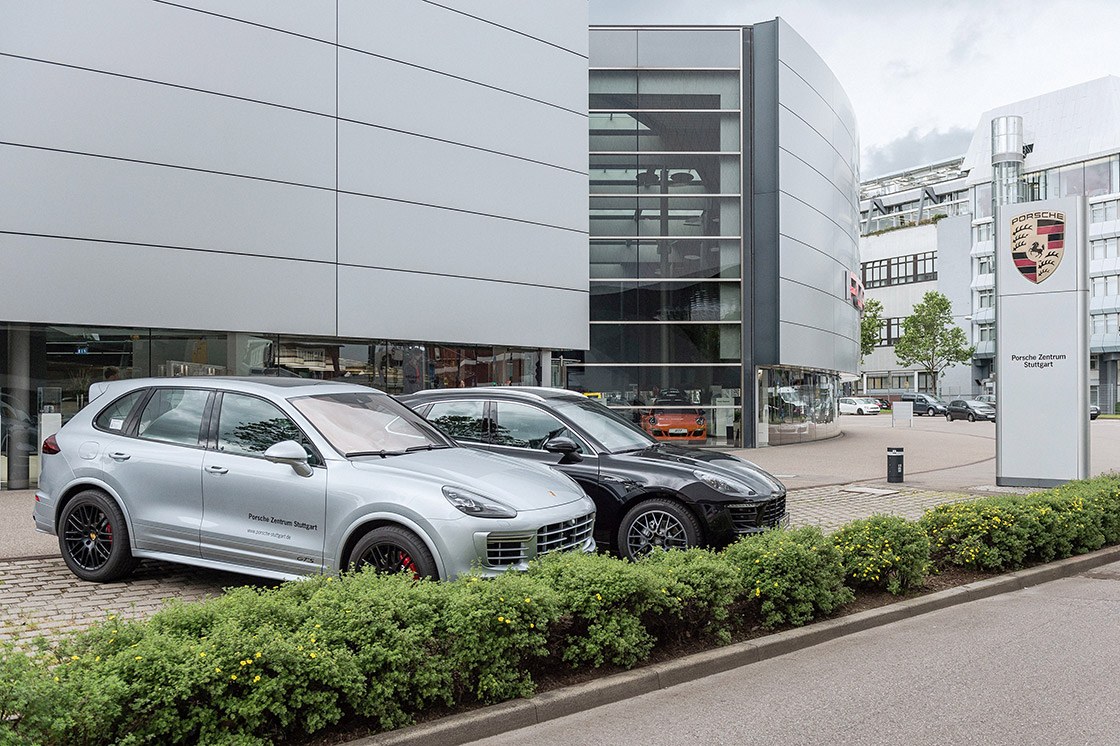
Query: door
[
  {"x": 259, "y": 513},
  {"x": 157, "y": 467}
]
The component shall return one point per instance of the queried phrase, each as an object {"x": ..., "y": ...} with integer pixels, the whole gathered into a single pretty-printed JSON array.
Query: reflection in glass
[
  {"x": 796, "y": 405},
  {"x": 665, "y": 343},
  {"x": 665, "y": 301},
  {"x": 671, "y": 258}
]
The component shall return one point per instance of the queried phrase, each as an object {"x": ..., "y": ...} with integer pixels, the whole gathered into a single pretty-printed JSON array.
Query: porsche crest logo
[{"x": 1038, "y": 243}]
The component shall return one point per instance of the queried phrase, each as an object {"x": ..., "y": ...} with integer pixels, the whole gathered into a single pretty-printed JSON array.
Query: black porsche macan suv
[{"x": 648, "y": 494}]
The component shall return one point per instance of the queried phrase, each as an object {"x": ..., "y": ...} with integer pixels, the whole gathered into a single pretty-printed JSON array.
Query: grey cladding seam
[{"x": 389, "y": 59}]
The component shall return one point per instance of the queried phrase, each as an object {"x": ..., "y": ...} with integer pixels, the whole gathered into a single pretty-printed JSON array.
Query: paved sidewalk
[{"x": 41, "y": 597}]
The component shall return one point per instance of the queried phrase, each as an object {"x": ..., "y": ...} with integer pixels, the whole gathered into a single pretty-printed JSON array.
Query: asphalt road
[{"x": 1036, "y": 666}]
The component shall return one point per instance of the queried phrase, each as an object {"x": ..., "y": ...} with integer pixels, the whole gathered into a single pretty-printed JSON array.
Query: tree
[
  {"x": 869, "y": 324},
  {"x": 931, "y": 340}
]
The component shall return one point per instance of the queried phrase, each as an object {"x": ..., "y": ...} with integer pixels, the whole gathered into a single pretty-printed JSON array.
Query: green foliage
[
  {"x": 1005, "y": 533},
  {"x": 869, "y": 324},
  {"x": 884, "y": 551},
  {"x": 795, "y": 573},
  {"x": 931, "y": 339},
  {"x": 260, "y": 664},
  {"x": 604, "y": 600}
]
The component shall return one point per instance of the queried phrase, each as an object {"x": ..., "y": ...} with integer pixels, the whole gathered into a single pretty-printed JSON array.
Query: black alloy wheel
[
  {"x": 859, "y": 411},
  {"x": 93, "y": 537},
  {"x": 931, "y": 412},
  {"x": 392, "y": 549},
  {"x": 971, "y": 417},
  {"x": 948, "y": 417},
  {"x": 656, "y": 524}
]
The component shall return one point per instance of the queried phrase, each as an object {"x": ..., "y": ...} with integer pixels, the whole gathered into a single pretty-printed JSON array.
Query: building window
[
  {"x": 985, "y": 265},
  {"x": 900, "y": 270},
  {"x": 875, "y": 274},
  {"x": 982, "y": 232},
  {"x": 1102, "y": 286},
  {"x": 925, "y": 267},
  {"x": 925, "y": 382},
  {"x": 876, "y": 382},
  {"x": 1103, "y": 211},
  {"x": 986, "y": 332},
  {"x": 889, "y": 332},
  {"x": 902, "y": 382},
  {"x": 985, "y": 298},
  {"x": 1105, "y": 323}
]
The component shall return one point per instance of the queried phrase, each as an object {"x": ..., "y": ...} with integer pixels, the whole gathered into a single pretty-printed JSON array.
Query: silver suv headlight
[
  {"x": 722, "y": 484},
  {"x": 477, "y": 505}
]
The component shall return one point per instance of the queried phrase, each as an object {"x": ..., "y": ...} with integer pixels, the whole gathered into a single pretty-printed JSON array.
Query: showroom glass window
[{"x": 666, "y": 165}]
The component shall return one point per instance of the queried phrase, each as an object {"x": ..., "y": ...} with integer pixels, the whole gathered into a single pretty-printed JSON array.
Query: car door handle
[
  {"x": 118, "y": 456},
  {"x": 217, "y": 469}
]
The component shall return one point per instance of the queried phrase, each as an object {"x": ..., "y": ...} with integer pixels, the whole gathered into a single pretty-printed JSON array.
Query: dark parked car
[
  {"x": 969, "y": 409},
  {"x": 1094, "y": 411},
  {"x": 648, "y": 494},
  {"x": 925, "y": 403}
]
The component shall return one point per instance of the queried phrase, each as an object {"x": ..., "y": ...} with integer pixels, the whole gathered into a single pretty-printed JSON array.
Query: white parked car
[{"x": 858, "y": 405}]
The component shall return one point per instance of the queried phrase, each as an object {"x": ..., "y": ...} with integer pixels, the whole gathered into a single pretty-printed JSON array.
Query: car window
[
  {"x": 523, "y": 426},
  {"x": 250, "y": 426},
  {"x": 174, "y": 416},
  {"x": 113, "y": 416},
  {"x": 462, "y": 420}
]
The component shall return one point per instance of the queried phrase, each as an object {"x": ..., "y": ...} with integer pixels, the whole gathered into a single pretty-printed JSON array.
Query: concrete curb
[{"x": 507, "y": 716}]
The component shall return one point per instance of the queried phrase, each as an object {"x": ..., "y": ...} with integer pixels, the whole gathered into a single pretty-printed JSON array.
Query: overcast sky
[{"x": 920, "y": 74}]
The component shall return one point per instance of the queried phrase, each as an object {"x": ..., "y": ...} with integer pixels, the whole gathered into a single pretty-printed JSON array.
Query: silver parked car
[{"x": 282, "y": 477}]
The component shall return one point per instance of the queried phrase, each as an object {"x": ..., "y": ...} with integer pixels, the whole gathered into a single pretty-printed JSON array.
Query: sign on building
[{"x": 1042, "y": 343}]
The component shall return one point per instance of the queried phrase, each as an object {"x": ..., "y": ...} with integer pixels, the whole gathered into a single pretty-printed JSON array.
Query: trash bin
[{"x": 894, "y": 464}]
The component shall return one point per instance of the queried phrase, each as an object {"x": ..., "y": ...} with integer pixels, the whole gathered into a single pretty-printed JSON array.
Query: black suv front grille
[{"x": 749, "y": 517}]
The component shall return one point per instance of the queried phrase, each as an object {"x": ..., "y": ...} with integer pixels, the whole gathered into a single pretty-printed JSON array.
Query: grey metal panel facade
[
  {"x": 122, "y": 117},
  {"x": 420, "y": 302},
  {"x": 386, "y": 163},
  {"x": 81, "y": 196},
  {"x": 208, "y": 136},
  {"x": 436, "y": 38},
  {"x": 458, "y": 243},
  {"x": 817, "y": 168},
  {"x": 111, "y": 281}
]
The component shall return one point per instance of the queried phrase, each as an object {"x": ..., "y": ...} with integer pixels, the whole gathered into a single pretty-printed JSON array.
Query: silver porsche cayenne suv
[{"x": 282, "y": 477}]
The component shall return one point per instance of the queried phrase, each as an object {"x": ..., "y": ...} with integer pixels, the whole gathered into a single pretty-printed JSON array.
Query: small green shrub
[
  {"x": 794, "y": 573},
  {"x": 884, "y": 551},
  {"x": 1004, "y": 533},
  {"x": 604, "y": 601}
]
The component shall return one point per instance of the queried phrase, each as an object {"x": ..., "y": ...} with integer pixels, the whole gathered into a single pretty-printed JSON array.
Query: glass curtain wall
[
  {"x": 46, "y": 371},
  {"x": 796, "y": 405},
  {"x": 666, "y": 245}
]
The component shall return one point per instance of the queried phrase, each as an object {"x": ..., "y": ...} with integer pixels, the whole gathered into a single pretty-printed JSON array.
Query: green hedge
[
  {"x": 996, "y": 534},
  {"x": 258, "y": 664}
]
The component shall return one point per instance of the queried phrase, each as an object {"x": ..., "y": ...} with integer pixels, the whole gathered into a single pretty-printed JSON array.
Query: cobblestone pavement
[
  {"x": 832, "y": 507},
  {"x": 42, "y": 597}
]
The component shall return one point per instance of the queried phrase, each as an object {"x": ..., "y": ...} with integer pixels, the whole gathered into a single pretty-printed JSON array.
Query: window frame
[
  {"x": 585, "y": 449},
  {"x": 315, "y": 458}
]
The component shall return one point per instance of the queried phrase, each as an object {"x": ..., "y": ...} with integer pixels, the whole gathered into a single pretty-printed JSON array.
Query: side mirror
[
  {"x": 566, "y": 446},
  {"x": 291, "y": 453}
]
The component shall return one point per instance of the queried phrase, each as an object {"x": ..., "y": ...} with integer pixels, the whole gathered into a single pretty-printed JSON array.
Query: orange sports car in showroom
[{"x": 676, "y": 424}]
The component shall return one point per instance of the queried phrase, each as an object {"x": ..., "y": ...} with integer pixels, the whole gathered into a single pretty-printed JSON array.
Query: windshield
[
  {"x": 609, "y": 428},
  {"x": 357, "y": 423}
]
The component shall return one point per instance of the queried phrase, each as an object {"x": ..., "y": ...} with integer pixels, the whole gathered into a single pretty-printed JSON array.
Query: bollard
[{"x": 894, "y": 464}]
